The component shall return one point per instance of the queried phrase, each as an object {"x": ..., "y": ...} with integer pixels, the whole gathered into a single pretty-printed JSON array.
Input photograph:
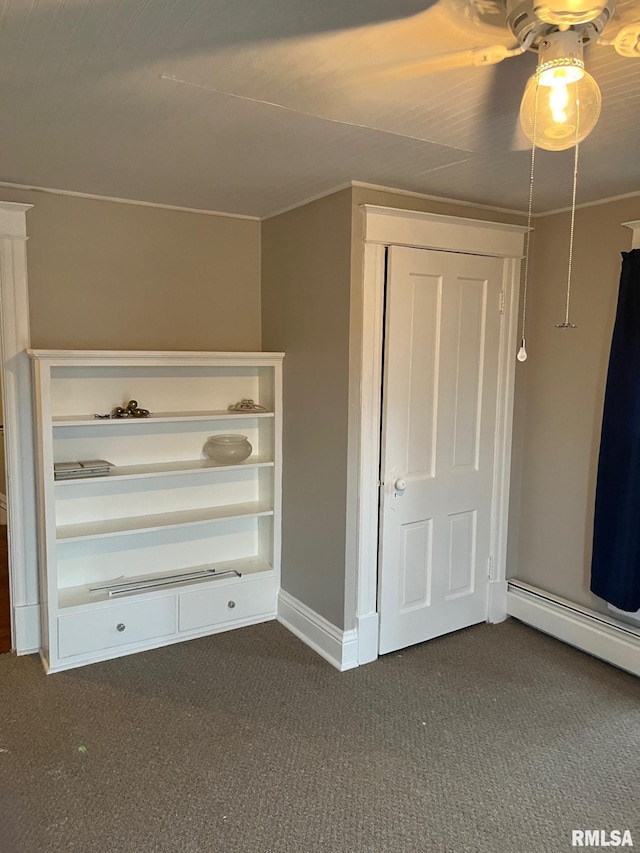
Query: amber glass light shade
[{"x": 562, "y": 110}]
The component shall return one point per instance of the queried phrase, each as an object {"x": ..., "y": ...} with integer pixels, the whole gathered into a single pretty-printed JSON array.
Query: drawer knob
[
  {"x": 231, "y": 605},
  {"x": 120, "y": 627}
]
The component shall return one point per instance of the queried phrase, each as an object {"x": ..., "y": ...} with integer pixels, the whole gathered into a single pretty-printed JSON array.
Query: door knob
[{"x": 400, "y": 484}]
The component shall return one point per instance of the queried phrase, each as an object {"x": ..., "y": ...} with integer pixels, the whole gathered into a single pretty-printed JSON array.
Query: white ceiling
[{"x": 86, "y": 104}]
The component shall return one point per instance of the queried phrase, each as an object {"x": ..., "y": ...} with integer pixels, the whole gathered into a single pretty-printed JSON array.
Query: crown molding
[
  {"x": 394, "y": 191},
  {"x": 612, "y": 198},
  {"x": 309, "y": 200},
  {"x": 115, "y": 200}
]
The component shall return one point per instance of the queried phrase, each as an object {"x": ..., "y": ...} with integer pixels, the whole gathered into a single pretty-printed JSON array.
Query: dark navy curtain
[{"x": 615, "y": 568}]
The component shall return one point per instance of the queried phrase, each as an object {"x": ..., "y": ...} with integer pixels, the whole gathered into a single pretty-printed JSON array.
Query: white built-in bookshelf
[{"x": 168, "y": 545}]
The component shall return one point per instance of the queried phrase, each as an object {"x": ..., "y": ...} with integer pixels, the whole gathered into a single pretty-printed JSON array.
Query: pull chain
[
  {"x": 522, "y": 352},
  {"x": 567, "y": 324}
]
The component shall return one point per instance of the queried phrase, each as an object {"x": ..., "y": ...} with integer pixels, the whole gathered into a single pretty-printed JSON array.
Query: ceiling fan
[{"x": 561, "y": 102}]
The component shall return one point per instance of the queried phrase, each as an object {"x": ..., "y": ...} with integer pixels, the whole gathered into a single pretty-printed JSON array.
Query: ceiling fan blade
[
  {"x": 627, "y": 42},
  {"x": 519, "y": 141},
  {"x": 498, "y": 120},
  {"x": 477, "y": 56}
]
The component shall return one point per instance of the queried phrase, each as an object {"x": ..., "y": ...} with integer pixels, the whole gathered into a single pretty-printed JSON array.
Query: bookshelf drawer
[
  {"x": 120, "y": 625},
  {"x": 228, "y": 603}
]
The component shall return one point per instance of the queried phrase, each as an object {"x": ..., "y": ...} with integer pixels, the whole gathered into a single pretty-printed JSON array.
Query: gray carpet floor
[{"x": 496, "y": 739}]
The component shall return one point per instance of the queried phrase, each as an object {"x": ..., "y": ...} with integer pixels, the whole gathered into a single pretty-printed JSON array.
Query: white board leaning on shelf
[{"x": 167, "y": 544}]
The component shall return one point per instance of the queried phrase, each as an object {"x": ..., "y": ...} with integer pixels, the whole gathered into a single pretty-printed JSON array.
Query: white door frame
[
  {"x": 18, "y": 422},
  {"x": 385, "y": 227}
]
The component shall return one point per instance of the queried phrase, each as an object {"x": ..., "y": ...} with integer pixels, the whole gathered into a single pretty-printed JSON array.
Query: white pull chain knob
[{"x": 522, "y": 352}]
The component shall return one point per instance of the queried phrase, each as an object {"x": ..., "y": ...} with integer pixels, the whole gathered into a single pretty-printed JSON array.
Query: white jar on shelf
[{"x": 228, "y": 448}]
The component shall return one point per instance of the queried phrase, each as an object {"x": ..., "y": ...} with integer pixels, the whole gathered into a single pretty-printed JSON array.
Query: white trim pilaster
[
  {"x": 497, "y": 593},
  {"x": 368, "y": 489},
  {"x": 18, "y": 421},
  {"x": 635, "y": 227}
]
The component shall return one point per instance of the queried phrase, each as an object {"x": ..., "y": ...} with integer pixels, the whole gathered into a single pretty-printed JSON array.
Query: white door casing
[
  {"x": 393, "y": 227},
  {"x": 438, "y": 440}
]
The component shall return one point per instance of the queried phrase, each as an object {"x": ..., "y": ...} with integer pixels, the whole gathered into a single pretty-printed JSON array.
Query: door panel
[
  {"x": 423, "y": 316},
  {"x": 470, "y": 310},
  {"x": 415, "y": 564},
  {"x": 462, "y": 547},
  {"x": 439, "y": 415}
]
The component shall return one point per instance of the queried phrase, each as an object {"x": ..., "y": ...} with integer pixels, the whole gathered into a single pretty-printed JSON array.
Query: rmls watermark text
[{"x": 601, "y": 838}]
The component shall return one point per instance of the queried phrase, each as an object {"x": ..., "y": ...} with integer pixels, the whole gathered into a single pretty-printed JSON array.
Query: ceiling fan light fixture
[
  {"x": 560, "y": 72},
  {"x": 568, "y": 13},
  {"x": 561, "y": 101}
]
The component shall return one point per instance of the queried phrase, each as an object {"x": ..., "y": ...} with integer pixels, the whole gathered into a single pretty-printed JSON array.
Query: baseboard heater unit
[{"x": 595, "y": 633}]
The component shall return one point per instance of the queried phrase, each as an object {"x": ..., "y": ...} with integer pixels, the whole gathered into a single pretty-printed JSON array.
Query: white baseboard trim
[
  {"x": 632, "y": 617},
  {"x": 26, "y": 626},
  {"x": 497, "y": 602},
  {"x": 592, "y": 632},
  {"x": 339, "y": 648}
]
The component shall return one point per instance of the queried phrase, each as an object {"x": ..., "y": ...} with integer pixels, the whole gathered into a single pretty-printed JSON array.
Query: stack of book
[{"x": 88, "y": 468}]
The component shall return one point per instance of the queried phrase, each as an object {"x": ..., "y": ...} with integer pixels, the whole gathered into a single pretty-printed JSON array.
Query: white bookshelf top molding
[
  {"x": 393, "y": 226},
  {"x": 161, "y": 359}
]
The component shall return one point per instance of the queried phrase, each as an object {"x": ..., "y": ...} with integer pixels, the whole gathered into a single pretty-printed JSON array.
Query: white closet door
[{"x": 439, "y": 416}]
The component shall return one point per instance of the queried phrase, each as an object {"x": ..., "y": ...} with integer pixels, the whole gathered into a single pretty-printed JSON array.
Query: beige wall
[
  {"x": 565, "y": 379},
  {"x": 108, "y": 275},
  {"x": 104, "y": 275},
  {"x": 306, "y": 255}
]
